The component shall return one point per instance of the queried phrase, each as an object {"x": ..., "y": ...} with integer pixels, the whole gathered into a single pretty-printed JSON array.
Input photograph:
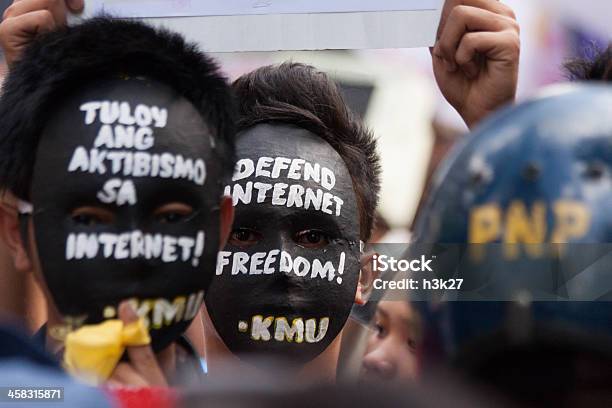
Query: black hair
[
  {"x": 57, "y": 63},
  {"x": 299, "y": 94},
  {"x": 596, "y": 67}
]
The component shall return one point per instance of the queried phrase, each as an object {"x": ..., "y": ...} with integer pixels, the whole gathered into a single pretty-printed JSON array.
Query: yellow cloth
[{"x": 93, "y": 351}]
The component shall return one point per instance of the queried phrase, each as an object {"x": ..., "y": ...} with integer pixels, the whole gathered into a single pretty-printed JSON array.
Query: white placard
[
  {"x": 187, "y": 8},
  {"x": 272, "y": 25}
]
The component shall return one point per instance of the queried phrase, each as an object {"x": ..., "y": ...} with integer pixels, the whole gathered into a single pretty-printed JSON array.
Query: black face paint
[
  {"x": 285, "y": 283},
  {"x": 125, "y": 198}
]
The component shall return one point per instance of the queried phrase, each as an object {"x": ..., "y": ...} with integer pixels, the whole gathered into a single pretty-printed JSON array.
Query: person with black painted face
[
  {"x": 304, "y": 189},
  {"x": 116, "y": 138}
]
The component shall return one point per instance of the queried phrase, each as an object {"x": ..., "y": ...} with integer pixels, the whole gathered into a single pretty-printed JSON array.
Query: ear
[
  {"x": 367, "y": 275},
  {"x": 226, "y": 220},
  {"x": 10, "y": 233}
]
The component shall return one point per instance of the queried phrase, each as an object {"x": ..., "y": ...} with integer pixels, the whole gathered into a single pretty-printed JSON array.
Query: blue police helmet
[
  {"x": 525, "y": 206},
  {"x": 554, "y": 150}
]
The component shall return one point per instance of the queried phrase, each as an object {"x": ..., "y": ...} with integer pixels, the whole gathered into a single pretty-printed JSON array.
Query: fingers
[
  {"x": 25, "y": 19},
  {"x": 167, "y": 360},
  {"x": 142, "y": 358},
  {"x": 57, "y": 9},
  {"x": 498, "y": 46},
  {"x": 125, "y": 375},
  {"x": 464, "y": 20},
  {"x": 17, "y": 32},
  {"x": 27, "y": 24},
  {"x": 493, "y": 6},
  {"x": 75, "y": 6}
]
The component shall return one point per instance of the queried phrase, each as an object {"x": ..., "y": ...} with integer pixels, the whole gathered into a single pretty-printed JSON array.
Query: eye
[
  {"x": 312, "y": 239},
  {"x": 244, "y": 237},
  {"x": 412, "y": 344},
  {"x": 380, "y": 330},
  {"x": 91, "y": 216},
  {"x": 173, "y": 213}
]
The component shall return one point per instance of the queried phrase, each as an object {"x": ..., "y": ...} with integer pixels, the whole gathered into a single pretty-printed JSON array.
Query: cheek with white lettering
[{"x": 125, "y": 191}]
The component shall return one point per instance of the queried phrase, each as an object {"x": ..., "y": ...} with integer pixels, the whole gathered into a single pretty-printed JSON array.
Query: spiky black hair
[
  {"x": 59, "y": 62},
  {"x": 300, "y": 95},
  {"x": 597, "y": 67}
]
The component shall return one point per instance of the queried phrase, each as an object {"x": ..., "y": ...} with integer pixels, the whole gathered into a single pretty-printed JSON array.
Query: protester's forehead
[
  {"x": 176, "y": 123},
  {"x": 281, "y": 140}
]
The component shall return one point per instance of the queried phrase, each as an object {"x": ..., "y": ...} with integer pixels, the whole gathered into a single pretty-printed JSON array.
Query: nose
[
  {"x": 284, "y": 241},
  {"x": 379, "y": 362},
  {"x": 282, "y": 282}
]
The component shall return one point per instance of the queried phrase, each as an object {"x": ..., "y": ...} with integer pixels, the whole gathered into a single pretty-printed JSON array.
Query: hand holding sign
[
  {"x": 25, "y": 19},
  {"x": 476, "y": 56}
]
